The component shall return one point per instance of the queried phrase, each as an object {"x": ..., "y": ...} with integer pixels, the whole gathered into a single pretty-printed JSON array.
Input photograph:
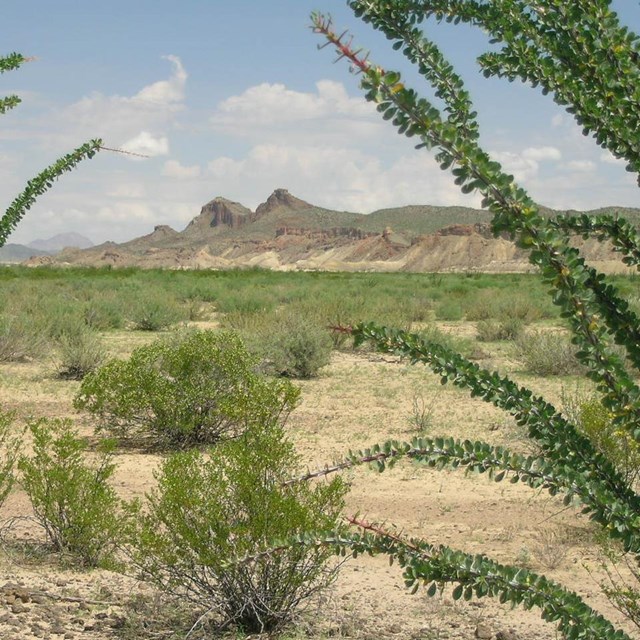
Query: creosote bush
[
  {"x": 196, "y": 387},
  {"x": 548, "y": 353},
  {"x": 20, "y": 340},
  {"x": 494, "y": 330},
  {"x": 295, "y": 348},
  {"x": 80, "y": 352},
  {"x": 210, "y": 510},
  {"x": 155, "y": 312},
  {"x": 71, "y": 498}
]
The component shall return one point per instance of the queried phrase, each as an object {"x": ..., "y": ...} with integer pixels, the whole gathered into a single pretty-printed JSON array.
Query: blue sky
[{"x": 233, "y": 99}]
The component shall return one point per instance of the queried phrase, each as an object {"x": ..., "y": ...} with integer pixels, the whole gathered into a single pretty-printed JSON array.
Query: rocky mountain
[{"x": 288, "y": 233}]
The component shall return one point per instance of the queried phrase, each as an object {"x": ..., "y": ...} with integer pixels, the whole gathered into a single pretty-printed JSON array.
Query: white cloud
[
  {"x": 173, "y": 169},
  {"x": 273, "y": 104},
  {"x": 165, "y": 91},
  {"x": 542, "y": 153},
  {"x": 272, "y": 113},
  {"x": 116, "y": 119},
  {"x": 583, "y": 166},
  {"x": 521, "y": 167},
  {"x": 147, "y": 144},
  {"x": 558, "y": 120},
  {"x": 127, "y": 190}
]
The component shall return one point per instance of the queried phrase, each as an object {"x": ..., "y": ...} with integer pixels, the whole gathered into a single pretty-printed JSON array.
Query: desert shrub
[
  {"x": 194, "y": 388},
  {"x": 460, "y": 344},
  {"x": 449, "y": 309},
  {"x": 209, "y": 511},
  {"x": 58, "y": 316},
  {"x": 72, "y": 499},
  {"x": 421, "y": 416},
  {"x": 494, "y": 330},
  {"x": 79, "y": 353},
  {"x": 20, "y": 340},
  {"x": 494, "y": 305},
  {"x": 597, "y": 422},
  {"x": 154, "y": 312},
  {"x": 103, "y": 313},
  {"x": 10, "y": 445},
  {"x": 548, "y": 353},
  {"x": 293, "y": 347}
]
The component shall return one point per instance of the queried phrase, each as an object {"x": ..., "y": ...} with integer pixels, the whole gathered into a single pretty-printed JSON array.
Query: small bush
[
  {"x": 104, "y": 313},
  {"x": 20, "y": 340},
  {"x": 80, "y": 353},
  {"x": 449, "y": 309},
  {"x": 548, "y": 353},
  {"x": 195, "y": 388},
  {"x": 421, "y": 417},
  {"x": 295, "y": 348},
  {"x": 72, "y": 500},
  {"x": 155, "y": 312},
  {"x": 492, "y": 304},
  {"x": 10, "y": 445},
  {"x": 495, "y": 330},
  {"x": 596, "y": 421},
  {"x": 208, "y": 513}
]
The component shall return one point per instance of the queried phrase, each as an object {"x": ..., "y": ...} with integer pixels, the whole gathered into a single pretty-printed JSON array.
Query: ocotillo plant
[
  {"x": 580, "y": 54},
  {"x": 45, "y": 179}
]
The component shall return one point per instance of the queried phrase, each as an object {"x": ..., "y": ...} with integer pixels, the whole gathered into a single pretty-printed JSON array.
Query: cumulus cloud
[
  {"x": 118, "y": 119},
  {"x": 272, "y": 104},
  {"x": 583, "y": 166},
  {"x": 274, "y": 113},
  {"x": 542, "y": 153},
  {"x": 165, "y": 92},
  {"x": 147, "y": 144},
  {"x": 173, "y": 169},
  {"x": 521, "y": 167}
]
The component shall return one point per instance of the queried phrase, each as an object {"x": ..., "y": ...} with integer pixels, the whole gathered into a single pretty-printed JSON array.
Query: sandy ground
[{"x": 359, "y": 399}]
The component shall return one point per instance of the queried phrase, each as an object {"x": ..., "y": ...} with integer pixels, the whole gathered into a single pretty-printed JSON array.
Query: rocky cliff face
[
  {"x": 219, "y": 213},
  {"x": 278, "y": 200}
]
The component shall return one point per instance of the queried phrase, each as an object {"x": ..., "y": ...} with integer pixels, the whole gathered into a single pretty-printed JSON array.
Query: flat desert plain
[{"x": 359, "y": 399}]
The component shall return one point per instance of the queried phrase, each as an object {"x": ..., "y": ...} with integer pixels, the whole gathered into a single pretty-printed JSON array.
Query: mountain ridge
[{"x": 288, "y": 233}]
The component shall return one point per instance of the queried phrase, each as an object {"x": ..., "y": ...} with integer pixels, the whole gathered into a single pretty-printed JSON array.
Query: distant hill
[
  {"x": 60, "y": 241},
  {"x": 13, "y": 253},
  {"x": 285, "y": 232}
]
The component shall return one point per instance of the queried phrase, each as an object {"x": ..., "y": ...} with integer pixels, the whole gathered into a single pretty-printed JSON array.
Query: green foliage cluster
[
  {"x": 208, "y": 511},
  {"x": 72, "y": 499},
  {"x": 193, "y": 388},
  {"x": 616, "y": 444},
  {"x": 579, "y": 53}
]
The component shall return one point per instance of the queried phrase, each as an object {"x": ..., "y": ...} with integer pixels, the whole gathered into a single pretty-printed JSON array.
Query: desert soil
[{"x": 359, "y": 399}]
